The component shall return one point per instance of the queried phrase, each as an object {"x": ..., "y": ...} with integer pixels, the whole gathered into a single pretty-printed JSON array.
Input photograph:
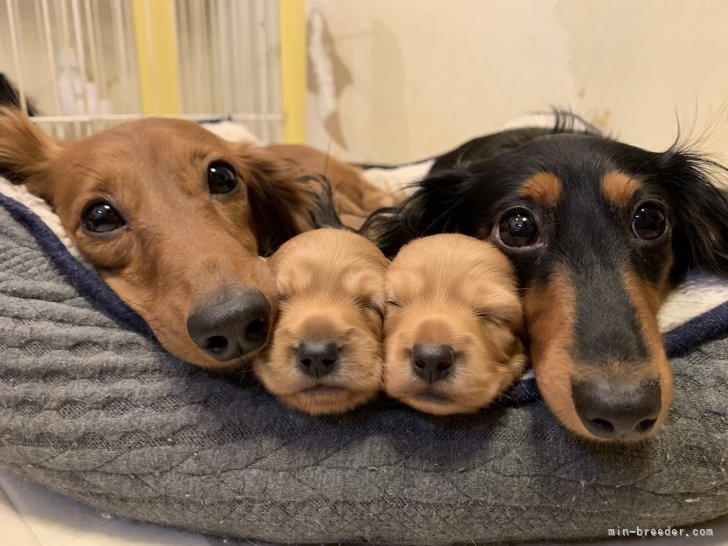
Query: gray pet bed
[{"x": 91, "y": 407}]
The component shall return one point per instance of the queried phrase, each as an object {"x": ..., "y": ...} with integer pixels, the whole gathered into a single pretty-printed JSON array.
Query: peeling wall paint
[{"x": 427, "y": 74}]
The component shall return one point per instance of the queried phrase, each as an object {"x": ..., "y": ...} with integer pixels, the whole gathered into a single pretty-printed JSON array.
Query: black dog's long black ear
[
  {"x": 434, "y": 207},
  {"x": 700, "y": 238}
]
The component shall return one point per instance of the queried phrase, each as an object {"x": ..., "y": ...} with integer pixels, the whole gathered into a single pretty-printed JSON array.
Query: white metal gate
[{"x": 79, "y": 61}]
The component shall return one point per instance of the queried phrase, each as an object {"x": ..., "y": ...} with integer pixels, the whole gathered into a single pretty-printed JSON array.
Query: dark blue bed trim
[
  {"x": 679, "y": 340},
  {"x": 88, "y": 284},
  {"x": 710, "y": 325}
]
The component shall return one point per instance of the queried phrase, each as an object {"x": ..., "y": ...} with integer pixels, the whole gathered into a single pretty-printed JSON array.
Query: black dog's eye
[
  {"x": 518, "y": 229},
  {"x": 221, "y": 178},
  {"x": 101, "y": 217},
  {"x": 649, "y": 222}
]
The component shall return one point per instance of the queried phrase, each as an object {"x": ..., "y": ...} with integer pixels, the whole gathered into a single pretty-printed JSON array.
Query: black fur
[
  {"x": 586, "y": 237},
  {"x": 9, "y": 96},
  {"x": 467, "y": 195},
  {"x": 323, "y": 214}
]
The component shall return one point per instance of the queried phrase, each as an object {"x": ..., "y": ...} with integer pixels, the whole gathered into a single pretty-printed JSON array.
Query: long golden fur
[
  {"x": 457, "y": 294},
  {"x": 331, "y": 288}
]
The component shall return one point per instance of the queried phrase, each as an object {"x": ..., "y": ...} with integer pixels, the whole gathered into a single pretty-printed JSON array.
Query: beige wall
[{"x": 424, "y": 75}]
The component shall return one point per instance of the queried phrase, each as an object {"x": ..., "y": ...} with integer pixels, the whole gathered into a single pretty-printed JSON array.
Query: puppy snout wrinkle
[
  {"x": 432, "y": 362},
  {"x": 317, "y": 358},
  {"x": 233, "y": 328},
  {"x": 626, "y": 410}
]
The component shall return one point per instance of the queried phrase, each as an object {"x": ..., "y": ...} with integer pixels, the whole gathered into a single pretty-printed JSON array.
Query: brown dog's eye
[
  {"x": 101, "y": 217},
  {"x": 649, "y": 222},
  {"x": 221, "y": 178},
  {"x": 365, "y": 303},
  {"x": 518, "y": 229}
]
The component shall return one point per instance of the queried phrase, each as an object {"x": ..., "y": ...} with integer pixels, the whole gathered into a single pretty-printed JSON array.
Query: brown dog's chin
[
  {"x": 486, "y": 364},
  {"x": 450, "y": 400},
  {"x": 435, "y": 404},
  {"x": 327, "y": 400},
  {"x": 178, "y": 343},
  {"x": 203, "y": 360},
  {"x": 347, "y": 387}
]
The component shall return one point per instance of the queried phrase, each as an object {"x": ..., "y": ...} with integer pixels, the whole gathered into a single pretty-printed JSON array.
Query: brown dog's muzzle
[
  {"x": 231, "y": 324},
  {"x": 317, "y": 358}
]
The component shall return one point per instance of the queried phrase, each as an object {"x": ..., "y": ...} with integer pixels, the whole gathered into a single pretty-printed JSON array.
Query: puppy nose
[
  {"x": 618, "y": 410},
  {"x": 317, "y": 358},
  {"x": 432, "y": 362},
  {"x": 232, "y": 328}
]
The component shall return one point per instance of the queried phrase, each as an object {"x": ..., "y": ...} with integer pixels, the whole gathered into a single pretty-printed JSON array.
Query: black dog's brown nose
[
  {"x": 233, "y": 328},
  {"x": 432, "y": 362},
  {"x": 317, "y": 358},
  {"x": 618, "y": 410}
]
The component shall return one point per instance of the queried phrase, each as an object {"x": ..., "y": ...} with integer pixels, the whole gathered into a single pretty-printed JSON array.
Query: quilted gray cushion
[{"x": 91, "y": 407}]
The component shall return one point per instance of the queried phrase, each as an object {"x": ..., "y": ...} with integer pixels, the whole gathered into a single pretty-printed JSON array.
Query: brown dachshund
[
  {"x": 326, "y": 351},
  {"x": 452, "y": 326},
  {"x": 175, "y": 220}
]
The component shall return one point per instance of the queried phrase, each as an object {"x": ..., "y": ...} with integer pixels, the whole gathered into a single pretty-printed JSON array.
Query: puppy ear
[
  {"x": 24, "y": 148},
  {"x": 700, "y": 236},
  {"x": 434, "y": 207},
  {"x": 280, "y": 199}
]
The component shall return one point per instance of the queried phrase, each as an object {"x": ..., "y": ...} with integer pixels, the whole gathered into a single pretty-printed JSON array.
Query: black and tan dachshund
[{"x": 599, "y": 232}]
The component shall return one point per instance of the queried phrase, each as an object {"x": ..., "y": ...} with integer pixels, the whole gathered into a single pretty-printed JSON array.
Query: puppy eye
[
  {"x": 101, "y": 217},
  {"x": 649, "y": 222},
  {"x": 221, "y": 178},
  {"x": 517, "y": 229},
  {"x": 482, "y": 314},
  {"x": 365, "y": 303},
  {"x": 394, "y": 303}
]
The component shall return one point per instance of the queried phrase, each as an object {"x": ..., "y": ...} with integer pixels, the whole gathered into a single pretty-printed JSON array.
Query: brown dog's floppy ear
[
  {"x": 24, "y": 148},
  {"x": 280, "y": 199}
]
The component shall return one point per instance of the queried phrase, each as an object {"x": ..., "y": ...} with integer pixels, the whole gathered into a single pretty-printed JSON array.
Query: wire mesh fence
[{"x": 80, "y": 61}]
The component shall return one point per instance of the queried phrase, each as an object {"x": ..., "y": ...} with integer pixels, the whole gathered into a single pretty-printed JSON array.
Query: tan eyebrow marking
[
  {"x": 619, "y": 188},
  {"x": 544, "y": 188}
]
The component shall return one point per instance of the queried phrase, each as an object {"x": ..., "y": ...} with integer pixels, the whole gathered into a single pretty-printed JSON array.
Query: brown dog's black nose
[
  {"x": 618, "y": 410},
  {"x": 317, "y": 358},
  {"x": 432, "y": 362},
  {"x": 233, "y": 328}
]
